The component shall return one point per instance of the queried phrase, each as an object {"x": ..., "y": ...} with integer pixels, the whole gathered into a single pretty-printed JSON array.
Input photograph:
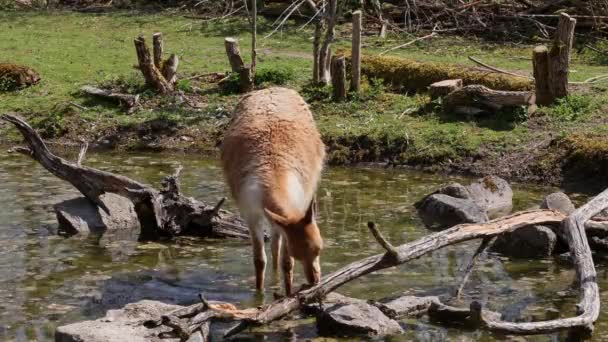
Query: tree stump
[
  {"x": 355, "y": 84},
  {"x": 443, "y": 88},
  {"x": 157, "y": 49},
  {"x": 147, "y": 64},
  {"x": 559, "y": 56},
  {"x": 338, "y": 77},
  {"x": 238, "y": 66},
  {"x": 540, "y": 60}
]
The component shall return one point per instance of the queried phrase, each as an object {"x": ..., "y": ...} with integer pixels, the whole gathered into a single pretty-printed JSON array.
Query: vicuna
[{"x": 272, "y": 156}]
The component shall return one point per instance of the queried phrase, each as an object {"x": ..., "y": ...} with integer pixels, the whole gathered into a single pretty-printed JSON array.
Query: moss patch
[{"x": 412, "y": 75}]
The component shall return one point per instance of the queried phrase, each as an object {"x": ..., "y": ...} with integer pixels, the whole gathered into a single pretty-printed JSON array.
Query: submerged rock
[
  {"x": 80, "y": 216},
  {"x": 493, "y": 195},
  {"x": 441, "y": 211},
  {"x": 125, "y": 324},
  {"x": 354, "y": 320},
  {"x": 527, "y": 242},
  {"x": 406, "y": 306},
  {"x": 13, "y": 76}
]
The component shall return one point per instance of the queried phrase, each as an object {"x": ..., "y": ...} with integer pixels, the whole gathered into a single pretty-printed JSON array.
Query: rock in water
[
  {"x": 526, "y": 242},
  {"x": 493, "y": 195},
  {"x": 354, "y": 320},
  {"x": 13, "y": 76},
  {"x": 406, "y": 306},
  {"x": 558, "y": 201},
  {"x": 80, "y": 216},
  {"x": 440, "y": 211},
  {"x": 125, "y": 324}
]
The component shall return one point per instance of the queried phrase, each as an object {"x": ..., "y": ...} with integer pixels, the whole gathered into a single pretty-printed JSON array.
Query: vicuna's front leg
[{"x": 287, "y": 268}]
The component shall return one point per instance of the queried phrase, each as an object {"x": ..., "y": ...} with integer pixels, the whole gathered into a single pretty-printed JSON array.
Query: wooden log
[
  {"x": 157, "y": 49},
  {"x": 478, "y": 96},
  {"x": 152, "y": 74},
  {"x": 160, "y": 212},
  {"x": 234, "y": 54},
  {"x": 338, "y": 78},
  {"x": 443, "y": 88},
  {"x": 540, "y": 62},
  {"x": 130, "y": 102},
  {"x": 355, "y": 83},
  {"x": 560, "y": 55}
]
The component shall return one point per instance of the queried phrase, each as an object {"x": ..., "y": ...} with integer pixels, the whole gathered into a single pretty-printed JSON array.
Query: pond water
[{"x": 47, "y": 280}]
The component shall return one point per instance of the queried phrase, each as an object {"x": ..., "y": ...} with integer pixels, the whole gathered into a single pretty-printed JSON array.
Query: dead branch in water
[
  {"x": 393, "y": 257},
  {"x": 160, "y": 212}
]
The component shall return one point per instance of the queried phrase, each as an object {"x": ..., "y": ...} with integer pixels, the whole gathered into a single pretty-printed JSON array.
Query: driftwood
[
  {"x": 130, "y": 102},
  {"x": 484, "y": 98},
  {"x": 164, "y": 212},
  {"x": 393, "y": 257}
]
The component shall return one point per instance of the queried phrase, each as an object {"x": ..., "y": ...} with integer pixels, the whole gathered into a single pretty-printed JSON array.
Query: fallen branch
[
  {"x": 471, "y": 58},
  {"x": 478, "y": 96},
  {"x": 400, "y": 255},
  {"x": 160, "y": 212},
  {"x": 409, "y": 43},
  {"x": 130, "y": 102}
]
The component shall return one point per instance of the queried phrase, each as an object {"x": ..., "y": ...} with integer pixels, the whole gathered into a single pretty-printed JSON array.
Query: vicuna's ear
[
  {"x": 310, "y": 212},
  {"x": 276, "y": 218}
]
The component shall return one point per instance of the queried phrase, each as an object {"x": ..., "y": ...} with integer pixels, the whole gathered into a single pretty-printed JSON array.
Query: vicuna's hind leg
[
  {"x": 275, "y": 248},
  {"x": 256, "y": 229},
  {"x": 287, "y": 267}
]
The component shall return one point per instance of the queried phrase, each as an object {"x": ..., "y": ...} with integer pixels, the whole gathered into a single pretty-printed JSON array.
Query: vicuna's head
[{"x": 304, "y": 240}]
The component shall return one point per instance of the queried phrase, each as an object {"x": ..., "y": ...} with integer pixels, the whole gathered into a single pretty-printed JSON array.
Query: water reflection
[{"x": 46, "y": 280}]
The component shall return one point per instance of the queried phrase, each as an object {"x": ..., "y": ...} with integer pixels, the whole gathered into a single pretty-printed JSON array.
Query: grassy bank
[{"x": 70, "y": 50}]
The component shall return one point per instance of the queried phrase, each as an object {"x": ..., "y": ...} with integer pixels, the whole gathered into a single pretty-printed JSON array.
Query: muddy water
[{"x": 47, "y": 280}]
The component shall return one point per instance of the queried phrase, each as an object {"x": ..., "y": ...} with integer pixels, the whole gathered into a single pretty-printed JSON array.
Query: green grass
[{"x": 70, "y": 50}]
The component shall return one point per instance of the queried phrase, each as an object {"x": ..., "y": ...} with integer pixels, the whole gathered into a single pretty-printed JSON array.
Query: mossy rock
[
  {"x": 13, "y": 76},
  {"x": 411, "y": 75}
]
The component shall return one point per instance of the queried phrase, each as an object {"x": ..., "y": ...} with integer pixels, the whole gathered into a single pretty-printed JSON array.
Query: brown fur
[
  {"x": 15, "y": 76},
  {"x": 273, "y": 133}
]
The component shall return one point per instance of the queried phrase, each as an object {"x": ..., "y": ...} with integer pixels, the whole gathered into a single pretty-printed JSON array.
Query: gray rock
[
  {"x": 406, "y": 306},
  {"x": 331, "y": 299},
  {"x": 558, "y": 201},
  {"x": 527, "y": 242},
  {"x": 455, "y": 190},
  {"x": 441, "y": 211},
  {"x": 80, "y": 216},
  {"x": 493, "y": 195},
  {"x": 354, "y": 320},
  {"x": 125, "y": 324}
]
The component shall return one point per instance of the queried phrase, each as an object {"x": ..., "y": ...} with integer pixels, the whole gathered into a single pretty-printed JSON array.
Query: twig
[
  {"x": 217, "y": 74},
  {"x": 497, "y": 69},
  {"x": 483, "y": 246},
  {"x": 409, "y": 43},
  {"x": 74, "y": 104},
  {"x": 390, "y": 249},
  {"x": 295, "y": 5},
  {"x": 83, "y": 151}
]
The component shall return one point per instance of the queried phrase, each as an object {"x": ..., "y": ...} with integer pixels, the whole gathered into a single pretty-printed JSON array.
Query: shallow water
[{"x": 47, "y": 280}]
